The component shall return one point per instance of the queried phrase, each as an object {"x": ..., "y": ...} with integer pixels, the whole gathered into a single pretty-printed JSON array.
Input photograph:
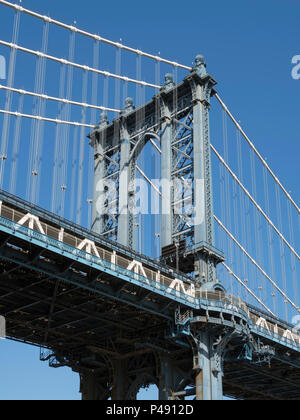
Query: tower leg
[
  {"x": 93, "y": 387},
  {"x": 208, "y": 365},
  {"x": 123, "y": 221},
  {"x": 99, "y": 193},
  {"x": 166, "y": 380},
  {"x": 98, "y": 138},
  {"x": 120, "y": 384},
  {"x": 166, "y": 176}
]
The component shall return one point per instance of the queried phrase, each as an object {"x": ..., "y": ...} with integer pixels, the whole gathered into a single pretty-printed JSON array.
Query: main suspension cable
[
  {"x": 257, "y": 152},
  {"x": 256, "y": 264},
  {"x": 247, "y": 288},
  {"x": 55, "y": 99},
  {"x": 93, "y": 36},
  {"x": 38, "y": 117},
  {"x": 255, "y": 203},
  {"x": 76, "y": 65}
]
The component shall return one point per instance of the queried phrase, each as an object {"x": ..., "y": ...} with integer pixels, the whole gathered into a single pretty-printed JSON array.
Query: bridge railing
[
  {"x": 220, "y": 299},
  {"x": 55, "y": 224},
  {"x": 160, "y": 282},
  {"x": 262, "y": 323},
  {"x": 104, "y": 259}
]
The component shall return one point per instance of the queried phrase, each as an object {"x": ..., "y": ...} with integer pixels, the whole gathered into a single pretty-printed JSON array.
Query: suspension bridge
[{"x": 144, "y": 239}]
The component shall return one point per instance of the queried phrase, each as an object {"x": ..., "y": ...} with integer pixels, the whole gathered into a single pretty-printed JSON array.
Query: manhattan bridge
[{"x": 143, "y": 237}]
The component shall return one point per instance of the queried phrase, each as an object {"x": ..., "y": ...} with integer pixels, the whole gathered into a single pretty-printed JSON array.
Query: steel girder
[{"x": 179, "y": 117}]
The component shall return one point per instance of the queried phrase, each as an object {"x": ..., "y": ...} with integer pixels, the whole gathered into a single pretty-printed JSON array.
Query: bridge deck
[{"x": 80, "y": 298}]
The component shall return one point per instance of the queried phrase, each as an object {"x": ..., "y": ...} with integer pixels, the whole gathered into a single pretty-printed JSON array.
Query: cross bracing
[
  {"x": 76, "y": 318},
  {"x": 252, "y": 206}
]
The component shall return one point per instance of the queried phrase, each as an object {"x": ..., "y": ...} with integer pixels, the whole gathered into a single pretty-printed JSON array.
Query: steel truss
[
  {"x": 178, "y": 117},
  {"x": 121, "y": 320},
  {"x": 119, "y": 336}
]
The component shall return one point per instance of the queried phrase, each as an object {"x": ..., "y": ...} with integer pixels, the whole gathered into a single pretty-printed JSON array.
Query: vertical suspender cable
[
  {"x": 138, "y": 75},
  {"x": 125, "y": 91},
  {"x": 79, "y": 207},
  {"x": 258, "y": 222},
  {"x": 105, "y": 91},
  {"x": 139, "y": 123},
  {"x": 293, "y": 259},
  {"x": 39, "y": 136},
  {"x": 236, "y": 230},
  {"x": 16, "y": 149},
  {"x": 8, "y": 101},
  {"x": 59, "y": 183},
  {"x": 257, "y": 153},
  {"x": 90, "y": 180},
  {"x": 95, "y": 81},
  {"x": 73, "y": 173},
  {"x": 63, "y": 182},
  {"x": 32, "y": 170},
  {"x": 282, "y": 253},
  {"x": 157, "y": 168},
  {"x": 242, "y": 203},
  {"x": 117, "y": 81},
  {"x": 57, "y": 151},
  {"x": 224, "y": 243},
  {"x": 270, "y": 238},
  {"x": 36, "y": 137},
  {"x": 256, "y": 217},
  {"x": 226, "y": 191}
]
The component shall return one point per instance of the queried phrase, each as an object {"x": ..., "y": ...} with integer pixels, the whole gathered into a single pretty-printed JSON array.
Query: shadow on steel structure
[{"x": 120, "y": 319}]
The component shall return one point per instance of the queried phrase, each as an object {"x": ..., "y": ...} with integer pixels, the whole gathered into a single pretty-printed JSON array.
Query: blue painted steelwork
[
  {"x": 92, "y": 261},
  {"x": 60, "y": 222},
  {"x": 179, "y": 117},
  {"x": 229, "y": 307}
]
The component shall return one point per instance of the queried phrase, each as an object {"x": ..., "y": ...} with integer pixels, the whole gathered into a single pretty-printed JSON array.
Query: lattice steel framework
[{"x": 177, "y": 117}]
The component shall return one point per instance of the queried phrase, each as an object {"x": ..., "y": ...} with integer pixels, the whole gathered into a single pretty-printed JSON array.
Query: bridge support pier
[
  {"x": 172, "y": 379},
  {"x": 120, "y": 383},
  {"x": 208, "y": 364},
  {"x": 93, "y": 387},
  {"x": 166, "y": 380}
]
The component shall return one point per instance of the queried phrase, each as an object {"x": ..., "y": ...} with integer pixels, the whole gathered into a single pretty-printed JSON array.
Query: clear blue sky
[{"x": 248, "y": 46}]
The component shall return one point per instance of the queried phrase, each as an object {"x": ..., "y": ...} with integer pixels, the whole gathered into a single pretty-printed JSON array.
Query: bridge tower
[{"x": 177, "y": 119}]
